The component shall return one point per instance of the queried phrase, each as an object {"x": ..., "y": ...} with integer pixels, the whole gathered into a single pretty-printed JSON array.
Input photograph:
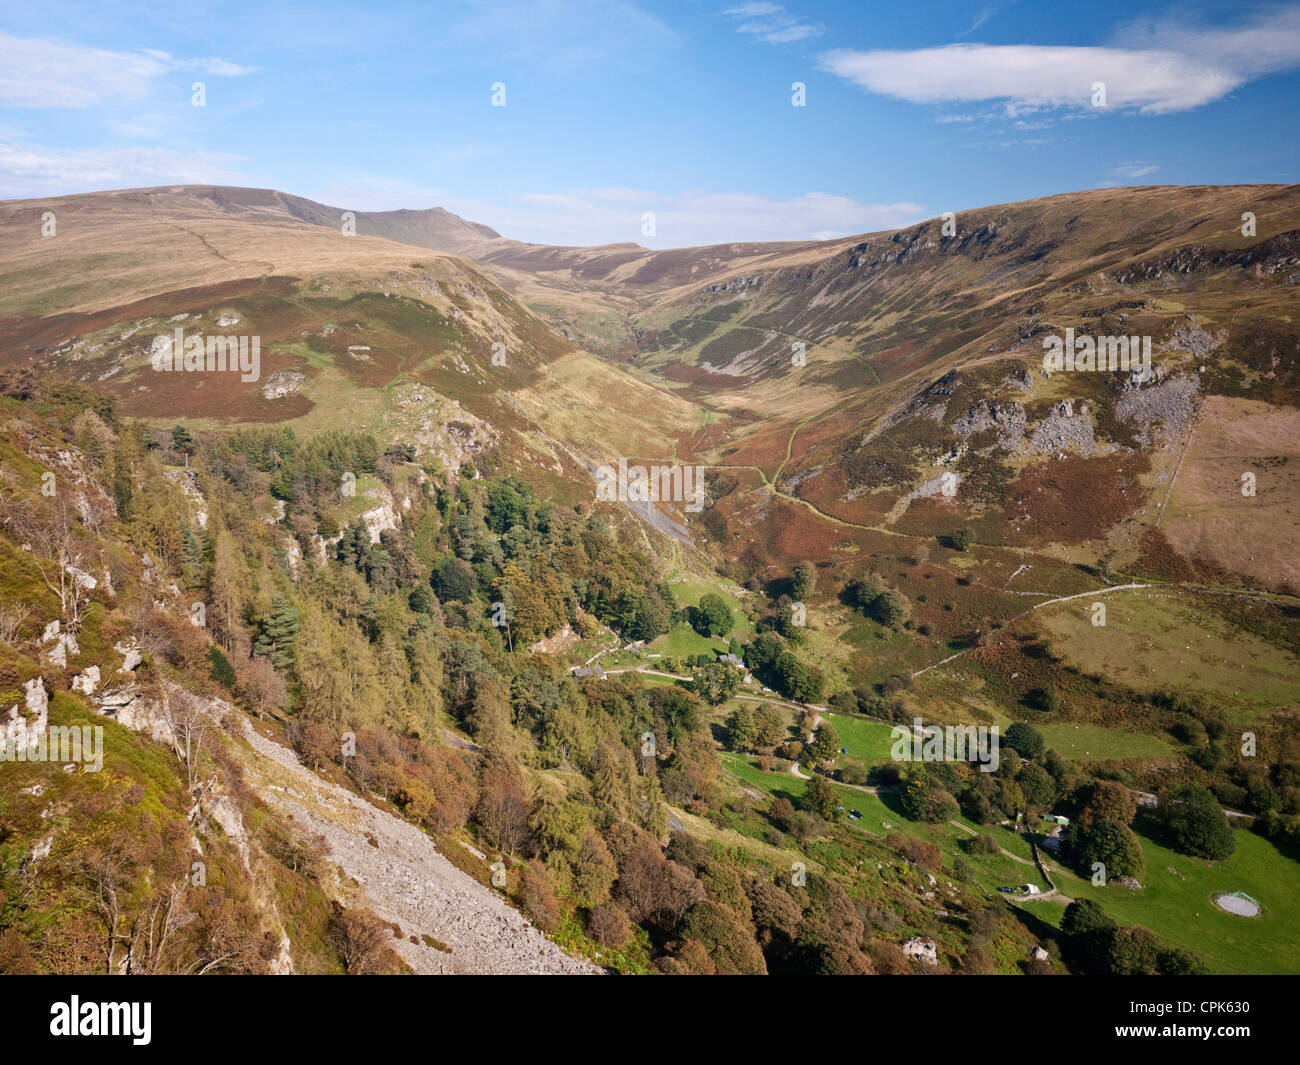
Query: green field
[
  {"x": 687, "y": 590},
  {"x": 683, "y": 640},
  {"x": 1093, "y": 743},
  {"x": 867, "y": 741},
  {"x": 1176, "y": 904},
  {"x": 878, "y": 819}
]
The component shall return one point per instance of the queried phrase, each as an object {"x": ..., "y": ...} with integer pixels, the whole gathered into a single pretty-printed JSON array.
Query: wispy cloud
[
  {"x": 41, "y": 73},
  {"x": 1124, "y": 173},
  {"x": 771, "y": 23},
  {"x": 1156, "y": 67},
  {"x": 556, "y": 33},
  {"x": 615, "y": 214},
  {"x": 691, "y": 218},
  {"x": 36, "y": 171},
  {"x": 979, "y": 20}
]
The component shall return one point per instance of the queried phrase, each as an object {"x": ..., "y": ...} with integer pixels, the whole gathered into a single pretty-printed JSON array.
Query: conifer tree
[{"x": 277, "y": 633}]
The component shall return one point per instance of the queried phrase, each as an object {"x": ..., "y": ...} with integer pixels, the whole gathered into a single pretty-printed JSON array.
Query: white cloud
[
  {"x": 1134, "y": 170},
  {"x": 1126, "y": 174},
  {"x": 560, "y": 33},
  {"x": 39, "y": 172},
  {"x": 979, "y": 20},
  {"x": 771, "y": 23},
  {"x": 1153, "y": 67},
  {"x": 1035, "y": 76},
  {"x": 613, "y": 215},
  {"x": 40, "y": 73}
]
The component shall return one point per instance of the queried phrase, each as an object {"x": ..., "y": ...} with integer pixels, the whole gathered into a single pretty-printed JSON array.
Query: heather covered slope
[{"x": 353, "y": 330}]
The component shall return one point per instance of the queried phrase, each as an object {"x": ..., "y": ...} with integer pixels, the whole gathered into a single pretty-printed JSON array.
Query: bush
[
  {"x": 728, "y": 940},
  {"x": 712, "y": 617},
  {"x": 924, "y": 800},
  {"x": 925, "y": 856},
  {"x": 798, "y": 680},
  {"x": 537, "y": 895},
  {"x": 1197, "y": 825},
  {"x": 962, "y": 540},
  {"x": 362, "y": 941},
  {"x": 1112, "y": 844},
  {"x": 222, "y": 671},
  {"x": 609, "y": 927},
  {"x": 1024, "y": 738}
]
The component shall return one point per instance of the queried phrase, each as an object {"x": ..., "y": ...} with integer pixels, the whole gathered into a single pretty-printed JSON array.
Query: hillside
[{"x": 426, "y": 637}]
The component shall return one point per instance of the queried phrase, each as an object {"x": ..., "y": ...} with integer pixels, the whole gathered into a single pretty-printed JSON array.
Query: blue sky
[{"x": 684, "y": 109}]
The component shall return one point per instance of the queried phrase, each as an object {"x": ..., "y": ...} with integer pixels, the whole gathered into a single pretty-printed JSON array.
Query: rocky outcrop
[
  {"x": 923, "y": 950},
  {"x": 86, "y": 681},
  {"x": 381, "y": 518},
  {"x": 1161, "y": 412},
  {"x": 1009, "y": 419},
  {"x": 1064, "y": 429},
  {"x": 187, "y": 481},
  {"x": 441, "y": 427},
  {"x": 21, "y": 729},
  {"x": 282, "y": 383},
  {"x": 64, "y": 645},
  {"x": 132, "y": 656}
]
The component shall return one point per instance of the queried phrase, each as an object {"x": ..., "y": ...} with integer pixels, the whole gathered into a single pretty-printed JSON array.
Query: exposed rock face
[
  {"x": 128, "y": 706},
  {"x": 1037, "y": 953},
  {"x": 219, "y": 807},
  {"x": 1064, "y": 429},
  {"x": 1162, "y": 412},
  {"x": 922, "y": 950},
  {"x": 22, "y": 730},
  {"x": 282, "y": 963},
  {"x": 1008, "y": 418},
  {"x": 82, "y": 579},
  {"x": 1277, "y": 254},
  {"x": 87, "y": 681},
  {"x": 382, "y": 518},
  {"x": 282, "y": 383},
  {"x": 188, "y": 483},
  {"x": 65, "y": 644},
  {"x": 132, "y": 656},
  {"x": 293, "y": 556},
  {"x": 442, "y": 427}
]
